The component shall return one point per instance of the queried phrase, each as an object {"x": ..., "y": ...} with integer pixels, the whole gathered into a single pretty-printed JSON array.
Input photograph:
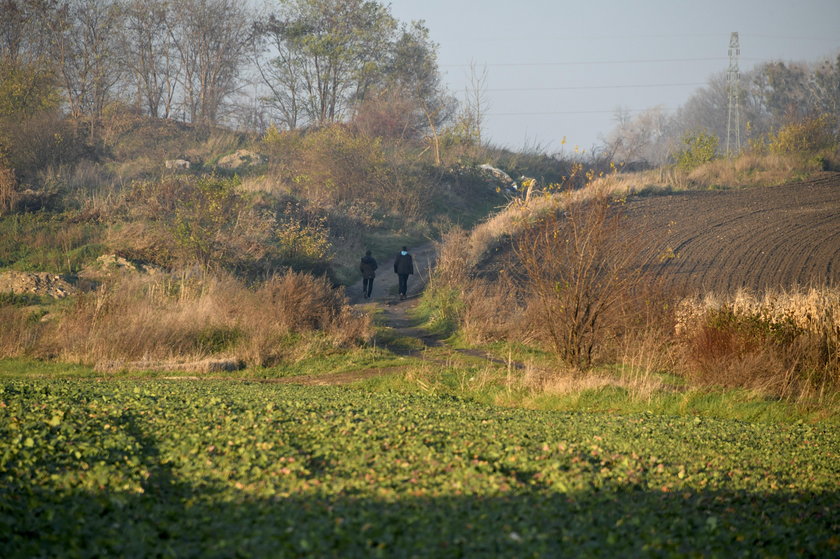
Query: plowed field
[{"x": 757, "y": 238}]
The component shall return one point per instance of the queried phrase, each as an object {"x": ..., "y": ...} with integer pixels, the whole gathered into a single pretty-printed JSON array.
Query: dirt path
[
  {"x": 385, "y": 286},
  {"x": 389, "y": 312},
  {"x": 398, "y": 317}
]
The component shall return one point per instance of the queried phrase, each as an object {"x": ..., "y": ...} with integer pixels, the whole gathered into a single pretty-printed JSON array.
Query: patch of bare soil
[{"x": 35, "y": 283}]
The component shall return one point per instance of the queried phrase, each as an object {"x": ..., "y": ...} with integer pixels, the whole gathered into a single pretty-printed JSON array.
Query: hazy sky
[{"x": 561, "y": 68}]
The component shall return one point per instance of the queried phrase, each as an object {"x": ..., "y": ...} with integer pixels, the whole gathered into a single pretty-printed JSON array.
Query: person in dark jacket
[
  {"x": 368, "y": 269},
  {"x": 403, "y": 267}
]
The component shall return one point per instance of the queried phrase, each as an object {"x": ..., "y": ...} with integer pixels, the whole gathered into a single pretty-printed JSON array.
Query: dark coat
[
  {"x": 404, "y": 265},
  {"x": 368, "y": 267}
]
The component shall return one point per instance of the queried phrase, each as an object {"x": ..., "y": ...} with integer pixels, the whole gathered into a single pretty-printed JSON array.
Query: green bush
[
  {"x": 26, "y": 89},
  {"x": 806, "y": 136},
  {"x": 205, "y": 217},
  {"x": 19, "y": 299},
  {"x": 700, "y": 147},
  {"x": 40, "y": 242}
]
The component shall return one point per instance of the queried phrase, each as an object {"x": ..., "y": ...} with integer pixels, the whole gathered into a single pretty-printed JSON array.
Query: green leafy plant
[
  {"x": 699, "y": 147},
  {"x": 204, "y": 218},
  {"x": 805, "y": 136},
  {"x": 217, "y": 468}
]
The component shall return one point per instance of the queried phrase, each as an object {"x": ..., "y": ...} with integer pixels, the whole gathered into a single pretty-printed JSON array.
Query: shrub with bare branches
[{"x": 577, "y": 270}]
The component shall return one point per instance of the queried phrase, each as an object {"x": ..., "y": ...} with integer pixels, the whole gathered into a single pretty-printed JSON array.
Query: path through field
[
  {"x": 385, "y": 303},
  {"x": 390, "y": 312},
  {"x": 405, "y": 335}
]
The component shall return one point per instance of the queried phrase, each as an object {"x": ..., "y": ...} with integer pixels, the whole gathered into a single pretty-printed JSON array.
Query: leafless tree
[
  {"x": 280, "y": 75},
  {"x": 476, "y": 103},
  {"x": 213, "y": 40},
  {"x": 85, "y": 48},
  {"x": 24, "y": 28},
  {"x": 579, "y": 272},
  {"x": 824, "y": 89},
  {"x": 638, "y": 138},
  {"x": 150, "y": 55}
]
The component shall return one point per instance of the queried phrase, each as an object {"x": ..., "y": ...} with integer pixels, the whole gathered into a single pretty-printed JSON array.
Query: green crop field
[{"x": 221, "y": 469}]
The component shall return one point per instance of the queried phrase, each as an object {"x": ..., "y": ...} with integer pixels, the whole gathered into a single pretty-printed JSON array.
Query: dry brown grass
[
  {"x": 8, "y": 189},
  {"x": 486, "y": 310},
  {"x": 753, "y": 170},
  {"x": 662, "y": 179},
  {"x": 491, "y": 311},
  {"x": 563, "y": 383},
  {"x": 19, "y": 334},
  {"x": 785, "y": 344},
  {"x": 190, "y": 317},
  {"x": 219, "y": 142},
  {"x": 747, "y": 170},
  {"x": 269, "y": 183}
]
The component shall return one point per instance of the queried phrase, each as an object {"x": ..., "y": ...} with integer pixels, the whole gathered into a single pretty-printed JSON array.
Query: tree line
[
  {"x": 772, "y": 95},
  {"x": 302, "y": 63},
  {"x": 312, "y": 61}
]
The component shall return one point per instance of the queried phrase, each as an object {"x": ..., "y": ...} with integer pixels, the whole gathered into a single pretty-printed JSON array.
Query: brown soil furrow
[
  {"x": 799, "y": 256},
  {"x": 757, "y": 251},
  {"x": 754, "y": 238}
]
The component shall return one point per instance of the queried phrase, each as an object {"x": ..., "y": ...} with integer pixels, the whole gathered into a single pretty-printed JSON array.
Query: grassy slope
[{"x": 216, "y": 469}]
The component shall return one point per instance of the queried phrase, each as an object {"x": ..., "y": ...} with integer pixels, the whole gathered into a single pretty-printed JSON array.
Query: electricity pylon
[{"x": 733, "y": 120}]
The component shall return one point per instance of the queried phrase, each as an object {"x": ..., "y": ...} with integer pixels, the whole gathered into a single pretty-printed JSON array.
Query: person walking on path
[
  {"x": 368, "y": 268},
  {"x": 403, "y": 267}
]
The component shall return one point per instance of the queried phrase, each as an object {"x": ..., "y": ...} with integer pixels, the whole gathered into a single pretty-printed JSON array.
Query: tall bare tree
[
  {"x": 638, "y": 138},
  {"x": 213, "y": 39},
  {"x": 824, "y": 87},
  {"x": 150, "y": 55},
  {"x": 85, "y": 47},
  {"x": 24, "y": 28},
  {"x": 476, "y": 104}
]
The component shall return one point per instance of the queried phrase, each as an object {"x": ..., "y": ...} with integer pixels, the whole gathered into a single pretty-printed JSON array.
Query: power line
[
  {"x": 576, "y": 38},
  {"x": 601, "y": 62},
  {"x": 791, "y": 37},
  {"x": 596, "y": 111},
  {"x": 577, "y": 87}
]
